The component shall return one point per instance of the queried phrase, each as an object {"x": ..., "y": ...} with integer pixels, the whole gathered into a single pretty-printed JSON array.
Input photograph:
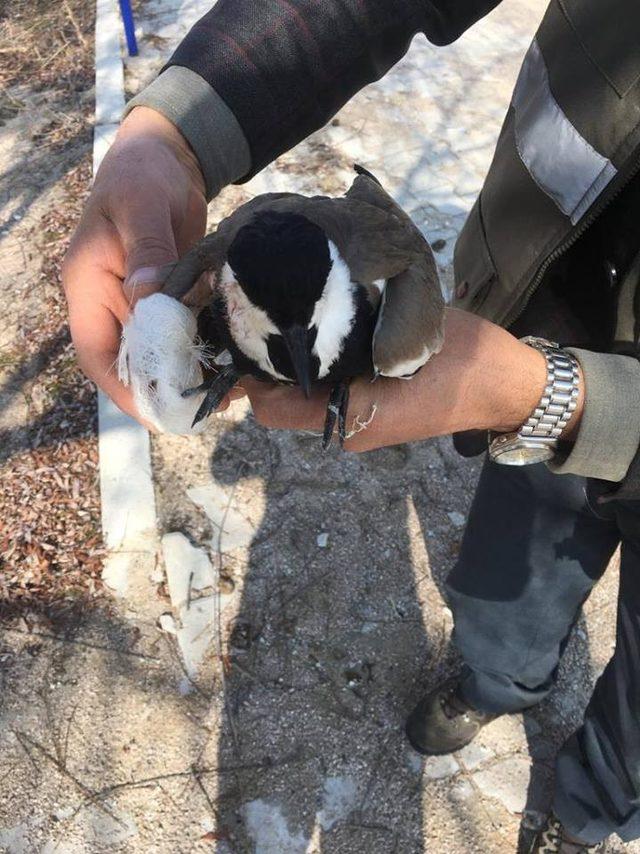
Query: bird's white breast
[
  {"x": 334, "y": 313},
  {"x": 249, "y": 326}
]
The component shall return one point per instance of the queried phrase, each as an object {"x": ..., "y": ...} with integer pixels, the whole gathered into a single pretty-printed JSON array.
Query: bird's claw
[
  {"x": 216, "y": 388},
  {"x": 336, "y": 411}
]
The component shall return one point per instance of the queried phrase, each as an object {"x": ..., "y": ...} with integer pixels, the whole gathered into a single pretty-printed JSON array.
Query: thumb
[{"x": 149, "y": 244}]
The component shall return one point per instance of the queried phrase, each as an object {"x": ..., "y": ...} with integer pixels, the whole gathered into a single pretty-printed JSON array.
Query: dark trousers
[{"x": 534, "y": 547}]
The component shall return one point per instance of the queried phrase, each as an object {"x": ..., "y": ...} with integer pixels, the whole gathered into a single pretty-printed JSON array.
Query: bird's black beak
[{"x": 295, "y": 337}]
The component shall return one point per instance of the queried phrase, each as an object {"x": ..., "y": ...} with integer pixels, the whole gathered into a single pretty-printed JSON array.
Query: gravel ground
[{"x": 264, "y": 712}]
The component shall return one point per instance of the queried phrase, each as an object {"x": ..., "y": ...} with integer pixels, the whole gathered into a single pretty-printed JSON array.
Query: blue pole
[{"x": 129, "y": 30}]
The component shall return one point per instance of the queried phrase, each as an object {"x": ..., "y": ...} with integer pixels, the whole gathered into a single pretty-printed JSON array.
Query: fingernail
[{"x": 143, "y": 276}]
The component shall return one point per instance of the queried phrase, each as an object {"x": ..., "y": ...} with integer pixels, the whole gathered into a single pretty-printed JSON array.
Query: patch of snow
[
  {"x": 111, "y": 830},
  {"x": 439, "y": 767},
  {"x": 196, "y": 633},
  {"x": 115, "y": 573},
  {"x": 268, "y": 829},
  {"x": 188, "y": 568},
  {"x": 13, "y": 840},
  {"x": 338, "y": 800},
  {"x": 474, "y": 755},
  {"x": 506, "y": 781},
  {"x": 167, "y": 624},
  {"x": 414, "y": 761},
  {"x": 232, "y": 529}
]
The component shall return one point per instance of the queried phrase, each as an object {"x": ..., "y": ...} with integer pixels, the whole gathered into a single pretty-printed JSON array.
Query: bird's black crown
[{"x": 281, "y": 261}]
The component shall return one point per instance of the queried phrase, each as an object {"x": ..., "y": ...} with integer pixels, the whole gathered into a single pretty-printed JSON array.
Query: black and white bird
[{"x": 312, "y": 291}]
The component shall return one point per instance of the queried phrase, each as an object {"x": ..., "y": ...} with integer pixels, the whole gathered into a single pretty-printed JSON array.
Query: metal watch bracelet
[{"x": 537, "y": 439}]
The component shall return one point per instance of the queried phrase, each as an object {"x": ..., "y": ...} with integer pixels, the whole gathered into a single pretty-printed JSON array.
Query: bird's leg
[
  {"x": 216, "y": 388},
  {"x": 336, "y": 411}
]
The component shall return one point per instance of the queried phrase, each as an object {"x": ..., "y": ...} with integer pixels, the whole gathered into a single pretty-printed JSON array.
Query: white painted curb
[{"x": 126, "y": 488}]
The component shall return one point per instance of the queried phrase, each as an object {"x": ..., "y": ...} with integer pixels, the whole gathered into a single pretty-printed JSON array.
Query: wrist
[{"x": 518, "y": 397}]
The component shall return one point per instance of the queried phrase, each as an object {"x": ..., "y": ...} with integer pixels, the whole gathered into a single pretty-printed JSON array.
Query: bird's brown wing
[
  {"x": 410, "y": 327},
  {"x": 378, "y": 240}
]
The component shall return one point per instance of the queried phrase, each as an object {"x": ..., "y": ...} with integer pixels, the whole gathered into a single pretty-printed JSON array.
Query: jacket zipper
[{"x": 560, "y": 250}]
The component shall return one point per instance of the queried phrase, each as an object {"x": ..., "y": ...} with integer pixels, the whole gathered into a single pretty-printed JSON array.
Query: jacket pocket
[
  {"x": 609, "y": 32},
  {"x": 474, "y": 270}
]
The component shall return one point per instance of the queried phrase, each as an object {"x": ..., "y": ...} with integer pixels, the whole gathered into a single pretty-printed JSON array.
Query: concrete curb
[{"x": 129, "y": 522}]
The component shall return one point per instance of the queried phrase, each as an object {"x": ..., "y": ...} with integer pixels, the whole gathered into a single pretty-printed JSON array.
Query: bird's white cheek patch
[
  {"x": 249, "y": 326},
  {"x": 334, "y": 313}
]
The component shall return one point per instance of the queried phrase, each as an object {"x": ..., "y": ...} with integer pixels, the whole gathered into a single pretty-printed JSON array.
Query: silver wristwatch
[{"x": 537, "y": 440}]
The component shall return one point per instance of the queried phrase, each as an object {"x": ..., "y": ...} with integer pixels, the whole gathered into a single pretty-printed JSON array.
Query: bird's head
[{"x": 282, "y": 262}]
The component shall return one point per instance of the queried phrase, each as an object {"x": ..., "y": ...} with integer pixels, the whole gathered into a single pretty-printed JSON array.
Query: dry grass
[
  {"x": 50, "y": 541},
  {"x": 46, "y": 43}
]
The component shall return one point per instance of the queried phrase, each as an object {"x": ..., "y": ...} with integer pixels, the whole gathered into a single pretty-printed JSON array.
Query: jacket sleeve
[
  {"x": 283, "y": 68},
  {"x": 608, "y": 439}
]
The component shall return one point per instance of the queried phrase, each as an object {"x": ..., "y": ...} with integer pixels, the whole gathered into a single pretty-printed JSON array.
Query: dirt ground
[{"x": 321, "y": 618}]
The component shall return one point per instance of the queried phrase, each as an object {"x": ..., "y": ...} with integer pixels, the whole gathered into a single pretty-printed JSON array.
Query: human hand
[
  {"x": 483, "y": 378},
  {"x": 146, "y": 208}
]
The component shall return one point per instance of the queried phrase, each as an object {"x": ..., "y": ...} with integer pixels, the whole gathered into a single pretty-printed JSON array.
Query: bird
[{"x": 312, "y": 291}]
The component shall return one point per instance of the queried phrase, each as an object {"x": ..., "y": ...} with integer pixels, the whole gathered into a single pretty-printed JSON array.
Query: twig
[
  {"x": 56, "y": 53},
  {"x": 65, "y": 750},
  {"x": 195, "y": 771},
  {"x": 201, "y": 786},
  {"x": 218, "y": 614},
  {"x": 90, "y": 795},
  {"x": 113, "y": 649},
  {"x": 75, "y": 24}
]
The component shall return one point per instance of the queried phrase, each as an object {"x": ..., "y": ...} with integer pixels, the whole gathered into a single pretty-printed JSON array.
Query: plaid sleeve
[{"x": 285, "y": 67}]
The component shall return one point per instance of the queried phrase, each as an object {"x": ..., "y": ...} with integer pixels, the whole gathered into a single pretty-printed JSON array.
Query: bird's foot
[
  {"x": 216, "y": 388},
  {"x": 336, "y": 411}
]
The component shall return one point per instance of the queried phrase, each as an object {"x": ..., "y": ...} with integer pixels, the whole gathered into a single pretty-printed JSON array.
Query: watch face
[
  {"x": 520, "y": 456},
  {"x": 512, "y": 450}
]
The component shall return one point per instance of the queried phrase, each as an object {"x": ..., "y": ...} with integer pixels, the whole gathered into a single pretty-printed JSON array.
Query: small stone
[
  {"x": 438, "y": 245},
  {"x": 167, "y": 624},
  {"x": 462, "y": 791},
  {"x": 438, "y": 767},
  {"x": 533, "y": 819},
  {"x": 226, "y": 584},
  {"x": 323, "y": 540},
  {"x": 458, "y": 519},
  {"x": 62, "y": 813},
  {"x": 241, "y": 636}
]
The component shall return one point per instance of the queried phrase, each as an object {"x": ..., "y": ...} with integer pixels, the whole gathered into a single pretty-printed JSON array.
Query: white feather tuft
[{"x": 160, "y": 357}]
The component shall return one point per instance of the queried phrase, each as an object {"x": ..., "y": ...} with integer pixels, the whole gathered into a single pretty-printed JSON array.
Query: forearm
[
  {"x": 271, "y": 73},
  {"x": 484, "y": 379}
]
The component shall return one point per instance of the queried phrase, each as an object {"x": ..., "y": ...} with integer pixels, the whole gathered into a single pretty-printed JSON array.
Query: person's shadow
[{"x": 330, "y": 649}]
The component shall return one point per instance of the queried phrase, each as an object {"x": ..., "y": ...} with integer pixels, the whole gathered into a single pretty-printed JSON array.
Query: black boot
[
  {"x": 443, "y": 722},
  {"x": 554, "y": 839}
]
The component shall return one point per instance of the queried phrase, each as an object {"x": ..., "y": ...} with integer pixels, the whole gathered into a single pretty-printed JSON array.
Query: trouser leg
[
  {"x": 598, "y": 770},
  {"x": 531, "y": 553}
]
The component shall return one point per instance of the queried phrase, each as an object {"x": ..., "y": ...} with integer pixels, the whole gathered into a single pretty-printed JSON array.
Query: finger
[{"x": 147, "y": 236}]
